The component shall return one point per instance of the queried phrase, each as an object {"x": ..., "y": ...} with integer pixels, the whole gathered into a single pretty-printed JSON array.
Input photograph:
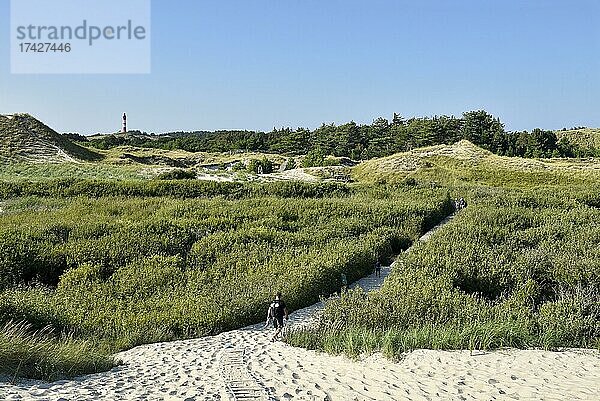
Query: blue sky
[{"x": 259, "y": 64}]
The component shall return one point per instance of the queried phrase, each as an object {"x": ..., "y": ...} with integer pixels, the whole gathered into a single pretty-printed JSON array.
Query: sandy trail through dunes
[{"x": 244, "y": 365}]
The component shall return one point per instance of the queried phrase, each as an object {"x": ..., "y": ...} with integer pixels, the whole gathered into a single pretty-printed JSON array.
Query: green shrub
[
  {"x": 184, "y": 189},
  {"x": 123, "y": 271},
  {"x": 177, "y": 174},
  {"x": 314, "y": 158},
  {"x": 514, "y": 269},
  {"x": 262, "y": 166}
]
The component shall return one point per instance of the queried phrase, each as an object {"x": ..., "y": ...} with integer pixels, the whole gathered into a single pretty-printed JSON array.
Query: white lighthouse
[{"x": 124, "y": 129}]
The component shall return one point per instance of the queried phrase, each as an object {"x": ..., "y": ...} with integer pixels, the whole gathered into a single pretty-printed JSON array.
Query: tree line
[{"x": 360, "y": 142}]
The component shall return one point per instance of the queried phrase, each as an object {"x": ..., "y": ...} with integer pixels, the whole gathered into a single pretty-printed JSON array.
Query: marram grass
[{"x": 41, "y": 354}]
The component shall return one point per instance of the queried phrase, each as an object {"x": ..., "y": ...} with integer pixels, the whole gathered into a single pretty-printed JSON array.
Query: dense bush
[
  {"x": 314, "y": 158},
  {"x": 262, "y": 166},
  {"x": 158, "y": 188},
  {"x": 512, "y": 270},
  {"x": 177, "y": 174},
  {"x": 119, "y": 272}
]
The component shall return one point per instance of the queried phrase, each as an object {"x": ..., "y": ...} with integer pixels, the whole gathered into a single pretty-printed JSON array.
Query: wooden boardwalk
[{"x": 241, "y": 384}]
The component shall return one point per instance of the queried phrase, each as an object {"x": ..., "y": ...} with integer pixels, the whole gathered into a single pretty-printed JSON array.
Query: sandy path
[{"x": 246, "y": 362}]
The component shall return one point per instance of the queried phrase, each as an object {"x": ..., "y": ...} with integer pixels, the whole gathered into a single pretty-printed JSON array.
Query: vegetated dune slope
[
  {"x": 587, "y": 138},
  {"x": 23, "y": 138},
  {"x": 465, "y": 160}
]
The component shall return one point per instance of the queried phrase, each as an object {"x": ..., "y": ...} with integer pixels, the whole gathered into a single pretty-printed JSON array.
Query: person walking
[
  {"x": 378, "y": 268},
  {"x": 278, "y": 312}
]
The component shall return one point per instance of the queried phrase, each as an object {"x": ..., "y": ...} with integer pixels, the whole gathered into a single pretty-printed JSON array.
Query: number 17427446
[{"x": 45, "y": 47}]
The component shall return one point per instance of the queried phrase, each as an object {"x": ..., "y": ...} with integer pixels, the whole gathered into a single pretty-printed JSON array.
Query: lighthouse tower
[{"x": 124, "y": 129}]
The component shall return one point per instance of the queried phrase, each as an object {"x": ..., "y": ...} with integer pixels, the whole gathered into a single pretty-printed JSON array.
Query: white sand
[{"x": 246, "y": 363}]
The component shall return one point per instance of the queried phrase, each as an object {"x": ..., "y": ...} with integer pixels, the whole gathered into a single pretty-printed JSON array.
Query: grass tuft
[{"x": 40, "y": 354}]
